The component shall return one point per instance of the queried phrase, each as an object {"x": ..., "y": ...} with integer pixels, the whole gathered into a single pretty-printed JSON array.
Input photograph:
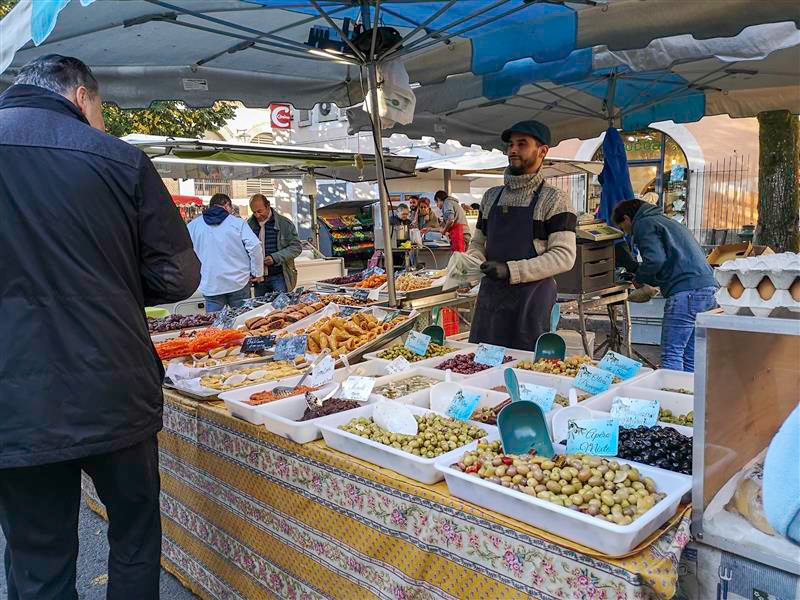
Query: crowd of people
[{"x": 449, "y": 218}]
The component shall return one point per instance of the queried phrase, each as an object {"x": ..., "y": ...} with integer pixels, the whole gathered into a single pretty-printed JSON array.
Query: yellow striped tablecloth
[{"x": 248, "y": 514}]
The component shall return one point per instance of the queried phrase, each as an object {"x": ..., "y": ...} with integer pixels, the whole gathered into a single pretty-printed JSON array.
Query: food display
[
  {"x": 433, "y": 351},
  {"x": 410, "y": 283},
  {"x": 568, "y": 367},
  {"x": 677, "y": 390},
  {"x": 488, "y": 414},
  {"x": 465, "y": 364},
  {"x": 657, "y": 446},
  {"x": 270, "y": 371},
  {"x": 748, "y": 501},
  {"x": 279, "y": 319},
  {"x": 372, "y": 282},
  {"x": 665, "y": 416},
  {"x": 346, "y": 280},
  {"x": 329, "y": 407},
  {"x": 270, "y": 396},
  {"x": 560, "y": 399},
  {"x": 596, "y": 486},
  {"x": 436, "y": 434},
  {"x": 759, "y": 285},
  {"x": 342, "y": 300},
  {"x": 202, "y": 344},
  {"x": 343, "y": 335},
  {"x": 404, "y": 387},
  {"x": 176, "y": 322}
]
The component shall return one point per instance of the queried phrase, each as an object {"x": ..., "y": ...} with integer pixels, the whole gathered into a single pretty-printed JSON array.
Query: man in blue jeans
[{"x": 673, "y": 261}]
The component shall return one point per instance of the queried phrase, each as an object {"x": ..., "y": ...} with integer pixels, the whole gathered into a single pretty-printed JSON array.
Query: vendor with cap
[{"x": 525, "y": 236}]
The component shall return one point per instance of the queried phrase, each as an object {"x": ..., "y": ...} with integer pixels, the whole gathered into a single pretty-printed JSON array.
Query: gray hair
[{"x": 59, "y": 74}]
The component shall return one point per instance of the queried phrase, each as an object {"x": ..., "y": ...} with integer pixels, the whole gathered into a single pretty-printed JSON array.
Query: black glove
[{"x": 496, "y": 270}]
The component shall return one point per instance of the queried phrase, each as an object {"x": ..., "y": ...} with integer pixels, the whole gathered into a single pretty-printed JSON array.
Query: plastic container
[
  {"x": 420, "y": 398},
  {"x": 516, "y": 355},
  {"x": 420, "y": 469},
  {"x": 428, "y": 362},
  {"x": 641, "y": 373},
  {"x": 610, "y": 539},
  {"x": 667, "y": 378},
  {"x": 679, "y": 404}
]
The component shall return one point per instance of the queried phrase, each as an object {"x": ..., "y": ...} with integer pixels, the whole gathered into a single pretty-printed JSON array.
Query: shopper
[
  {"x": 89, "y": 236},
  {"x": 402, "y": 216},
  {"x": 674, "y": 262},
  {"x": 454, "y": 220},
  {"x": 281, "y": 245},
  {"x": 426, "y": 219},
  {"x": 525, "y": 235},
  {"x": 230, "y": 254}
]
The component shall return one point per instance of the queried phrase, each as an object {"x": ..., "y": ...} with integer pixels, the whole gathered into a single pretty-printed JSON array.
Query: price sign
[
  {"x": 322, "y": 372},
  {"x": 398, "y": 365},
  {"x": 621, "y": 366},
  {"x": 361, "y": 294},
  {"x": 593, "y": 380},
  {"x": 287, "y": 348},
  {"x": 390, "y": 315},
  {"x": 463, "y": 405},
  {"x": 418, "y": 342},
  {"x": 281, "y": 302},
  {"x": 599, "y": 437},
  {"x": 309, "y": 298},
  {"x": 357, "y": 388},
  {"x": 257, "y": 344},
  {"x": 487, "y": 354},
  {"x": 374, "y": 271},
  {"x": 633, "y": 412},
  {"x": 542, "y": 395},
  {"x": 348, "y": 311}
]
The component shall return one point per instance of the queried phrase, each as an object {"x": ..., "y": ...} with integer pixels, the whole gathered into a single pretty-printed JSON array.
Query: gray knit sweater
[{"x": 553, "y": 227}]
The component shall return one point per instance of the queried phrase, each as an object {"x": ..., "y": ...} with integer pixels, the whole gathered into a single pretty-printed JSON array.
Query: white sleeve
[{"x": 253, "y": 246}]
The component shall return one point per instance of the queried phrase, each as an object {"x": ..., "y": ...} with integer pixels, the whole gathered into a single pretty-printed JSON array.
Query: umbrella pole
[
  {"x": 375, "y": 119},
  {"x": 314, "y": 221}
]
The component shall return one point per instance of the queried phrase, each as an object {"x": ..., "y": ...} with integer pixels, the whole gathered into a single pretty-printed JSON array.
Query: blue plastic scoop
[
  {"x": 551, "y": 345},
  {"x": 436, "y": 333},
  {"x": 521, "y": 424}
]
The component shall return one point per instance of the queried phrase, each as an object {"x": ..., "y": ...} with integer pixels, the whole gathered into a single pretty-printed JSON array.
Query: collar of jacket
[{"x": 33, "y": 96}]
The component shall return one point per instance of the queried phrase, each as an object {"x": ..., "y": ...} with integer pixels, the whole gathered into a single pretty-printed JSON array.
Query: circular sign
[{"x": 281, "y": 116}]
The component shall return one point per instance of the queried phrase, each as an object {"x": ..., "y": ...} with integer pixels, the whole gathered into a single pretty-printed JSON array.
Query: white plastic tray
[
  {"x": 610, "y": 539},
  {"x": 662, "y": 378},
  {"x": 428, "y": 362},
  {"x": 679, "y": 404},
  {"x": 516, "y": 355},
  {"x": 417, "y": 468},
  {"x": 420, "y": 398},
  {"x": 643, "y": 372}
]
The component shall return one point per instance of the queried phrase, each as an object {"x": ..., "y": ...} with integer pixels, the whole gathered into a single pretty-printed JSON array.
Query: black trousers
[{"x": 39, "y": 515}]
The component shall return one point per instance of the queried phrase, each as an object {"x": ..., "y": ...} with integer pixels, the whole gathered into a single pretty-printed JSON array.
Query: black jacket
[{"x": 88, "y": 236}]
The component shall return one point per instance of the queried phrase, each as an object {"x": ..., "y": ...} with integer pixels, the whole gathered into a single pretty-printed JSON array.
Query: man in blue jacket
[{"x": 673, "y": 261}]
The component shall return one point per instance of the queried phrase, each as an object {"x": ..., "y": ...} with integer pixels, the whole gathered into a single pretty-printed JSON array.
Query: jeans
[
  {"x": 272, "y": 283},
  {"x": 233, "y": 299},
  {"x": 39, "y": 515},
  {"x": 677, "y": 333}
]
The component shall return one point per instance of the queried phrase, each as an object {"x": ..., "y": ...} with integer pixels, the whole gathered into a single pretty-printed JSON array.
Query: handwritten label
[
  {"x": 361, "y": 294},
  {"x": 542, "y": 395},
  {"x": 257, "y": 344},
  {"x": 398, "y": 365},
  {"x": 599, "y": 437},
  {"x": 348, "y": 311},
  {"x": 463, "y": 405},
  {"x": 281, "y": 302},
  {"x": 287, "y": 348},
  {"x": 619, "y": 365},
  {"x": 488, "y": 354},
  {"x": 322, "y": 372},
  {"x": 309, "y": 298},
  {"x": 418, "y": 342},
  {"x": 390, "y": 315},
  {"x": 593, "y": 380},
  {"x": 373, "y": 271},
  {"x": 357, "y": 388},
  {"x": 633, "y": 412}
]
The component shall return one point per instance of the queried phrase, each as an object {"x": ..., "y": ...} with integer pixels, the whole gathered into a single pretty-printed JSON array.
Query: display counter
[{"x": 248, "y": 514}]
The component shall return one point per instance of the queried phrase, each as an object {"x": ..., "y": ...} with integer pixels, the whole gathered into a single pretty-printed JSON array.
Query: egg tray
[{"x": 759, "y": 285}]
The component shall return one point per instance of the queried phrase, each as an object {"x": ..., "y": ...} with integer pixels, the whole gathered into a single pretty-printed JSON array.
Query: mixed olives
[
  {"x": 433, "y": 351},
  {"x": 465, "y": 364},
  {"x": 436, "y": 435},
  {"x": 404, "y": 387},
  {"x": 599, "y": 487},
  {"x": 666, "y": 416}
]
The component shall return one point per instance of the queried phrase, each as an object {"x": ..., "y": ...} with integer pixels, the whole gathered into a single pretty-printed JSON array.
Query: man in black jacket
[{"x": 88, "y": 236}]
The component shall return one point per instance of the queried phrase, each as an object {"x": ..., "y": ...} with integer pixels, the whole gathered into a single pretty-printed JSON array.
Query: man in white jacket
[{"x": 230, "y": 254}]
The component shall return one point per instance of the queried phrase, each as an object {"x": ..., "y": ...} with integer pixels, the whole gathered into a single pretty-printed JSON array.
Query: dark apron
[{"x": 512, "y": 316}]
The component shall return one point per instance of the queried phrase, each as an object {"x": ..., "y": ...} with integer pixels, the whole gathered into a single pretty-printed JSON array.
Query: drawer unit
[{"x": 593, "y": 269}]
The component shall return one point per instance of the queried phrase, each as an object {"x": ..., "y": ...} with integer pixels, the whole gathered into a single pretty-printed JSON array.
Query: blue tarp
[{"x": 614, "y": 177}]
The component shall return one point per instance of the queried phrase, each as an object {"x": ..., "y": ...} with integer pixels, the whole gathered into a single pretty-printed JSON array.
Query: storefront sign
[
  {"x": 599, "y": 437},
  {"x": 280, "y": 116}
]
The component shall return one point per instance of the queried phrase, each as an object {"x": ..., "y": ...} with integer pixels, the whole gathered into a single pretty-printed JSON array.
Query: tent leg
[
  {"x": 314, "y": 221},
  {"x": 381, "y": 176}
]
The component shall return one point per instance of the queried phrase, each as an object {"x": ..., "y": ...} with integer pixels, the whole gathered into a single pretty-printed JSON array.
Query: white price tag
[
  {"x": 357, "y": 388},
  {"x": 398, "y": 365},
  {"x": 322, "y": 372}
]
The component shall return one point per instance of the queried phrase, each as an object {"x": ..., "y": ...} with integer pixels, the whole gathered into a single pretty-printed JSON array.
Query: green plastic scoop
[
  {"x": 551, "y": 345},
  {"x": 521, "y": 424},
  {"x": 436, "y": 333}
]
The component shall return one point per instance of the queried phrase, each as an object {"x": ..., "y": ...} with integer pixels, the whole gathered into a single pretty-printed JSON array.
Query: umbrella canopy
[
  {"x": 680, "y": 79},
  {"x": 615, "y": 177},
  {"x": 181, "y": 158}
]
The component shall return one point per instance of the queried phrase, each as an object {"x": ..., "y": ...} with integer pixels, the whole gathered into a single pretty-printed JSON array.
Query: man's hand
[
  {"x": 494, "y": 269},
  {"x": 268, "y": 260},
  {"x": 424, "y": 230},
  {"x": 256, "y": 280}
]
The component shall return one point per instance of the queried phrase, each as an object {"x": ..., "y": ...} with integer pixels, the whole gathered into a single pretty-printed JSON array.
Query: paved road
[{"x": 93, "y": 562}]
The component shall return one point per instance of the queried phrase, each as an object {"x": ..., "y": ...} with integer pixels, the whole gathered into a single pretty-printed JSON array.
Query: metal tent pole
[{"x": 314, "y": 221}]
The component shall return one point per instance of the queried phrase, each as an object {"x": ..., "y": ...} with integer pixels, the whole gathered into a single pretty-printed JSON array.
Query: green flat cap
[{"x": 533, "y": 128}]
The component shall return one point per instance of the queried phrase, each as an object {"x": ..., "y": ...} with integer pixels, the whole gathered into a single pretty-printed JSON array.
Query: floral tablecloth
[{"x": 248, "y": 514}]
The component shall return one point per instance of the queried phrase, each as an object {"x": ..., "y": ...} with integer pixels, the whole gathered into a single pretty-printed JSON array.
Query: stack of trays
[{"x": 759, "y": 285}]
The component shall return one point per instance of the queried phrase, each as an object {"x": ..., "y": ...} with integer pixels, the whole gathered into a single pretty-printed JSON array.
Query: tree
[{"x": 778, "y": 190}]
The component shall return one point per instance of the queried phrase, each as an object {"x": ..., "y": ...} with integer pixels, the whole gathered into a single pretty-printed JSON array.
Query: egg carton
[
  {"x": 781, "y": 269},
  {"x": 751, "y": 303}
]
